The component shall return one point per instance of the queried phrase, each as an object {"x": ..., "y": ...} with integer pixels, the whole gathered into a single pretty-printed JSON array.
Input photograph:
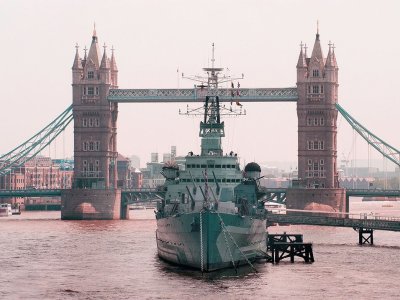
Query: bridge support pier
[
  {"x": 319, "y": 199},
  {"x": 365, "y": 236},
  {"x": 91, "y": 204},
  {"x": 124, "y": 210}
]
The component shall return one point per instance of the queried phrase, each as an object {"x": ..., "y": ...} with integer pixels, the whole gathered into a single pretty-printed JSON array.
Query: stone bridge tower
[
  {"x": 317, "y": 86},
  {"x": 94, "y": 194}
]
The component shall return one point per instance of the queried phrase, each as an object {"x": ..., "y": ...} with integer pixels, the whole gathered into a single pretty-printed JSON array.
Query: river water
[{"x": 42, "y": 257}]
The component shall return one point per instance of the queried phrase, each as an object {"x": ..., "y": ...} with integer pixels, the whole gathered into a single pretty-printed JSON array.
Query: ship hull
[{"x": 199, "y": 240}]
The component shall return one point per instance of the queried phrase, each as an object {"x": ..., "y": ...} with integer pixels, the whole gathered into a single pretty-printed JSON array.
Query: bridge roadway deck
[
  {"x": 30, "y": 193},
  {"x": 151, "y": 191},
  {"x": 146, "y": 192},
  {"x": 354, "y": 221},
  {"x": 197, "y": 94}
]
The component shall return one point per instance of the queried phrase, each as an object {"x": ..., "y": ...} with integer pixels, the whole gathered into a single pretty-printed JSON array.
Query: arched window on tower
[
  {"x": 97, "y": 168},
  {"x": 91, "y": 170},
  {"x": 85, "y": 166}
]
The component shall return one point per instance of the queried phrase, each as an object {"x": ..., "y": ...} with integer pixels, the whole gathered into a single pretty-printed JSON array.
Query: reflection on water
[
  {"x": 241, "y": 272},
  {"x": 96, "y": 226},
  {"x": 43, "y": 257}
]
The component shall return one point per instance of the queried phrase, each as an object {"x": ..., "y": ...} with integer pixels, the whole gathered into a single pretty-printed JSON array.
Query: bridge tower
[
  {"x": 317, "y": 86},
  {"x": 94, "y": 194}
]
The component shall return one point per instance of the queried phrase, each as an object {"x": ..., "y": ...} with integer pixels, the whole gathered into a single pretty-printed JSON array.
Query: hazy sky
[{"x": 153, "y": 38}]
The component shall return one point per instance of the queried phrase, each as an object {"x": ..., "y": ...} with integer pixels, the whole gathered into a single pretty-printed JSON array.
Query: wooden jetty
[{"x": 285, "y": 245}]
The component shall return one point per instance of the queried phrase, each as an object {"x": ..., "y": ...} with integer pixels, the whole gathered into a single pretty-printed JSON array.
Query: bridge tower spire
[
  {"x": 94, "y": 194},
  {"x": 317, "y": 86}
]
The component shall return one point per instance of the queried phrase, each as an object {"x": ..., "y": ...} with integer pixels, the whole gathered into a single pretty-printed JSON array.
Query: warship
[{"x": 212, "y": 213}]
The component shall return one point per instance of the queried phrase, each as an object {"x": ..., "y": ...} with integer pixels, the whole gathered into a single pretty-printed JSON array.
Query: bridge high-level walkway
[{"x": 197, "y": 95}]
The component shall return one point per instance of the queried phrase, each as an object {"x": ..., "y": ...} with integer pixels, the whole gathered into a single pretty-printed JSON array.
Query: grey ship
[{"x": 212, "y": 215}]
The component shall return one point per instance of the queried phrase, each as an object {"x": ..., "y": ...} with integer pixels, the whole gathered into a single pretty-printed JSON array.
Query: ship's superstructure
[{"x": 212, "y": 215}]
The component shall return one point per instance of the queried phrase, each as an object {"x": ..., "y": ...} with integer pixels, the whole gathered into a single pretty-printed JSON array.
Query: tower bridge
[
  {"x": 95, "y": 99},
  {"x": 95, "y": 108}
]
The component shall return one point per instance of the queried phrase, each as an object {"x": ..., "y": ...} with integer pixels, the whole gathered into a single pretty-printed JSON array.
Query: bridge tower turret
[
  {"x": 94, "y": 194},
  {"x": 317, "y": 86}
]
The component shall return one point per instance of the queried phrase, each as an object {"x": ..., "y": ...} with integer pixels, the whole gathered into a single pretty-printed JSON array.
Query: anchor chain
[
  {"x": 237, "y": 246},
  {"x": 201, "y": 243},
  {"x": 227, "y": 245}
]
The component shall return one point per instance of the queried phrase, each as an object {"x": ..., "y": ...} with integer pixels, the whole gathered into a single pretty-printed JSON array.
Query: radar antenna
[{"x": 211, "y": 128}]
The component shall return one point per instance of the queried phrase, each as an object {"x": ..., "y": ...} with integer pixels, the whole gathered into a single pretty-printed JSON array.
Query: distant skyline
[{"x": 154, "y": 39}]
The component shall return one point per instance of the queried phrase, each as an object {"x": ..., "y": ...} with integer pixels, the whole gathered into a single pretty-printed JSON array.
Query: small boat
[
  {"x": 137, "y": 207},
  {"x": 5, "y": 210},
  {"x": 16, "y": 209},
  {"x": 379, "y": 198},
  {"x": 275, "y": 208}
]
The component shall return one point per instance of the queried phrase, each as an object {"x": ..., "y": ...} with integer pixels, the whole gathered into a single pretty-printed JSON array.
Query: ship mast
[{"x": 211, "y": 128}]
